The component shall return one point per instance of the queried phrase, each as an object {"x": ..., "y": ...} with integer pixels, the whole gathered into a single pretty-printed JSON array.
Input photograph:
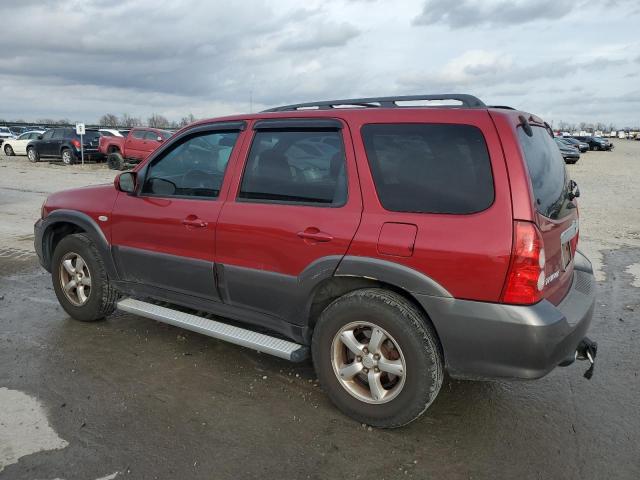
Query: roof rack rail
[
  {"x": 506, "y": 107},
  {"x": 468, "y": 101}
]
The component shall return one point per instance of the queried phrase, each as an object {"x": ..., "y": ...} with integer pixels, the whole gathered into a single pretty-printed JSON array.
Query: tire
[
  {"x": 8, "y": 151},
  {"x": 67, "y": 156},
  {"x": 101, "y": 297},
  {"x": 33, "y": 155},
  {"x": 115, "y": 161},
  {"x": 418, "y": 356}
]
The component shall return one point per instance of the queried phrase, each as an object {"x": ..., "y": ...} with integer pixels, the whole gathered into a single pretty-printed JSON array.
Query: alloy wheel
[
  {"x": 368, "y": 362},
  {"x": 75, "y": 279}
]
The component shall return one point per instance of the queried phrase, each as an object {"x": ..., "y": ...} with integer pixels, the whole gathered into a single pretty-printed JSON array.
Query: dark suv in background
[
  {"x": 595, "y": 143},
  {"x": 64, "y": 143}
]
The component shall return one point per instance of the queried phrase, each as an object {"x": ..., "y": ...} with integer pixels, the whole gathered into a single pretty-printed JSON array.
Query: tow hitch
[{"x": 587, "y": 350}]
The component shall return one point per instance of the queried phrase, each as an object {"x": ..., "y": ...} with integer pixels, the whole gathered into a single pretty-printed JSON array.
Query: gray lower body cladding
[{"x": 487, "y": 340}]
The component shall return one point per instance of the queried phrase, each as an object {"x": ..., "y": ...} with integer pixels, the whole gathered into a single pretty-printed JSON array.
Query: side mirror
[
  {"x": 40, "y": 137},
  {"x": 160, "y": 139},
  {"x": 126, "y": 182}
]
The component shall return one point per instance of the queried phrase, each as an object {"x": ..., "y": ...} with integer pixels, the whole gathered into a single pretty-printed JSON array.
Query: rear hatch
[
  {"x": 90, "y": 140},
  {"x": 556, "y": 208}
]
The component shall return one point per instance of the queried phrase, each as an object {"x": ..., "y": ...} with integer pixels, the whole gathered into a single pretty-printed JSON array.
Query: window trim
[
  {"x": 184, "y": 137},
  {"x": 375, "y": 187},
  {"x": 297, "y": 128}
]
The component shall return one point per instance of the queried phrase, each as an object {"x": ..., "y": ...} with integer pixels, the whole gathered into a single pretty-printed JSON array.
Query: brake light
[
  {"x": 75, "y": 142},
  {"x": 525, "y": 279}
]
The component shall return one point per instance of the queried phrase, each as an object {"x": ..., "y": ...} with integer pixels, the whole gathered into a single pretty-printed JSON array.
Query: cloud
[
  {"x": 474, "y": 13},
  {"x": 321, "y": 36}
]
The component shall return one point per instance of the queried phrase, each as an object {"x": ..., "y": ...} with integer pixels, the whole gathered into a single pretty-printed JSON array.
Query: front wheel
[
  {"x": 80, "y": 279},
  {"x": 378, "y": 357},
  {"x": 32, "y": 155},
  {"x": 8, "y": 151}
]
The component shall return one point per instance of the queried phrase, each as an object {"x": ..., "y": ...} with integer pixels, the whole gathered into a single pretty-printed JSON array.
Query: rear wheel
[
  {"x": 115, "y": 161},
  {"x": 80, "y": 279},
  {"x": 67, "y": 156},
  {"x": 8, "y": 151},
  {"x": 377, "y": 357},
  {"x": 32, "y": 155}
]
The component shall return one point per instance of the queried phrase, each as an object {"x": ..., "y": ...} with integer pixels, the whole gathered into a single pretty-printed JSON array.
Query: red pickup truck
[{"x": 123, "y": 152}]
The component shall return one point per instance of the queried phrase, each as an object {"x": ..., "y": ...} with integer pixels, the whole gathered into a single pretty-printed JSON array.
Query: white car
[
  {"x": 18, "y": 146},
  {"x": 110, "y": 132}
]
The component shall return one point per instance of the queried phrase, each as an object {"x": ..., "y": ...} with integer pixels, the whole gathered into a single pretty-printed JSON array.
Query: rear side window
[
  {"x": 58, "y": 133},
  {"x": 139, "y": 134},
  {"x": 547, "y": 171},
  {"x": 151, "y": 136},
  {"x": 429, "y": 168},
  {"x": 296, "y": 166}
]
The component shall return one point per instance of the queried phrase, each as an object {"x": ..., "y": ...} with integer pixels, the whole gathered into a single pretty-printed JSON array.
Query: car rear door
[
  {"x": 293, "y": 209},
  {"x": 150, "y": 142},
  {"x": 163, "y": 237}
]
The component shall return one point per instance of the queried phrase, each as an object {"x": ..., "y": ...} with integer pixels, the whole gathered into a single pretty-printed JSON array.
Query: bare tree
[
  {"x": 184, "y": 121},
  {"x": 129, "y": 121},
  {"x": 108, "y": 120},
  {"x": 158, "y": 121}
]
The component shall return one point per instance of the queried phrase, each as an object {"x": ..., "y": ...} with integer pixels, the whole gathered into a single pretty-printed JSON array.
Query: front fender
[{"x": 45, "y": 228}]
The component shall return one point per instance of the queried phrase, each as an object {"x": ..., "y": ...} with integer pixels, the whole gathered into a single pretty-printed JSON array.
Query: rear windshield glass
[
  {"x": 90, "y": 135},
  {"x": 547, "y": 171},
  {"x": 429, "y": 168}
]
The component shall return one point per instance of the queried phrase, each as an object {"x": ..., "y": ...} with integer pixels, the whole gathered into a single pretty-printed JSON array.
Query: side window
[
  {"x": 296, "y": 166},
  {"x": 151, "y": 136},
  {"x": 47, "y": 135},
  {"x": 139, "y": 134},
  {"x": 194, "y": 167},
  {"x": 429, "y": 168},
  {"x": 58, "y": 134}
]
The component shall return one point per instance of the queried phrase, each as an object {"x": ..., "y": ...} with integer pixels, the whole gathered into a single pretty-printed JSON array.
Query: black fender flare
[
  {"x": 85, "y": 223},
  {"x": 392, "y": 273}
]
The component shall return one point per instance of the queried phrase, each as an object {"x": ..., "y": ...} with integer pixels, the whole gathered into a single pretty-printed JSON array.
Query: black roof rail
[
  {"x": 468, "y": 101},
  {"x": 506, "y": 107}
]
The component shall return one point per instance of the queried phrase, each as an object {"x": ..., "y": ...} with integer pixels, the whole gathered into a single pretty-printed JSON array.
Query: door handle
[
  {"x": 314, "y": 234},
  {"x": 193, "y": 221}
]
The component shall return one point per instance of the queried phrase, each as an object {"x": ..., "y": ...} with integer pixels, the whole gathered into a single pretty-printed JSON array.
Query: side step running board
[{"x": 229, "y": 333}]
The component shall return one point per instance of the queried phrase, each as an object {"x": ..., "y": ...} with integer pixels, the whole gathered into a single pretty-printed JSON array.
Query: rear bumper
[{"x": 487, "y": 340}]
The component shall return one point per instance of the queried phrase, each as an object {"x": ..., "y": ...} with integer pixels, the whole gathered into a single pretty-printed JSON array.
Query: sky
[{"x": 570, "y": 60}]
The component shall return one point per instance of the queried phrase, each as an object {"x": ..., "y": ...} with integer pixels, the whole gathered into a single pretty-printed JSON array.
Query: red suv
[{"x": 390, "y": 240}]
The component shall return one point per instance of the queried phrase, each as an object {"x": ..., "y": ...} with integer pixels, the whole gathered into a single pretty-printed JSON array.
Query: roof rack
[
  {"x": 468, "y": 101},
  {"x": 506, "y": 107}
]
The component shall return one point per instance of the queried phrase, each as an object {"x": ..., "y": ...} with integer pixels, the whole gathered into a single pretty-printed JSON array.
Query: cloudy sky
[{"x": 571, "y": 60}]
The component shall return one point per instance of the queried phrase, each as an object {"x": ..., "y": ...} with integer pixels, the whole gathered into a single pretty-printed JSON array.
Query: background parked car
[
  {"x": 582, "y": 146},
  {"x": 110, "y": 132},
  {"x": 595, "y": 143},
  {"x": 64, "y": 143},
  {"x": 132, "y": 149},
  {"x": 5, "y": 133},
  {"x": 569, "y": 153},
  {"x": 18, "y": 146}
]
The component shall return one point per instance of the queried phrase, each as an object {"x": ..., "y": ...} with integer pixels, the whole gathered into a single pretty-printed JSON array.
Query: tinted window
[
  {"x": 106, "y": 134},
  {"x": 547, "y": 172},
  {"x": 25, "y": 136},
  {"x": 58, "y": 133},
  {"x": 151, "y": 136},
  {"x": 139, "y": 134},
  {"x": 47, "y": 135},
  {"x": 165, "y": 134},
  {"x": 296, "y": 166},
  {"x": 89, "y": 136},
  {"x": 193, "y": 168},
  {"x": 429, "y": 168}
]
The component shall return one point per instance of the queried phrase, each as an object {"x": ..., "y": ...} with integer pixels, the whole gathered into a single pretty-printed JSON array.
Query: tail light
[
  {"x": 525, "y": 279},
  {"x": 75, "y": 142}
]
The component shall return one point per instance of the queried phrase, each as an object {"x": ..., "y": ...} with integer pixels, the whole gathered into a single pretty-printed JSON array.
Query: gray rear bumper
[{"x": 488, "y": 340}]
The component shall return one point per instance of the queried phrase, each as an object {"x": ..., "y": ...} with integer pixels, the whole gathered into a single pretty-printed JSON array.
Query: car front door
[
  {"x": 163, "y": 236},
  {"x": 290, "y": 217},
  {"x": 134, "y": 144},
  {"x": 44, "y": 145}
]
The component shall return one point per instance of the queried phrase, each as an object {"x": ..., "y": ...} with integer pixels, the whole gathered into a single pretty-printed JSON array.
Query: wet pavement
[{"x": 133, "y": 398}]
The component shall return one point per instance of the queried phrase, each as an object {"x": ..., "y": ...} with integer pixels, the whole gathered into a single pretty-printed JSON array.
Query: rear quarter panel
[{"x": 466, "y": 254}]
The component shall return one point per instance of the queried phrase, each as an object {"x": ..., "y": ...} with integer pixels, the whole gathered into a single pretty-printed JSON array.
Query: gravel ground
[{"x": 133, "y": 398}]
